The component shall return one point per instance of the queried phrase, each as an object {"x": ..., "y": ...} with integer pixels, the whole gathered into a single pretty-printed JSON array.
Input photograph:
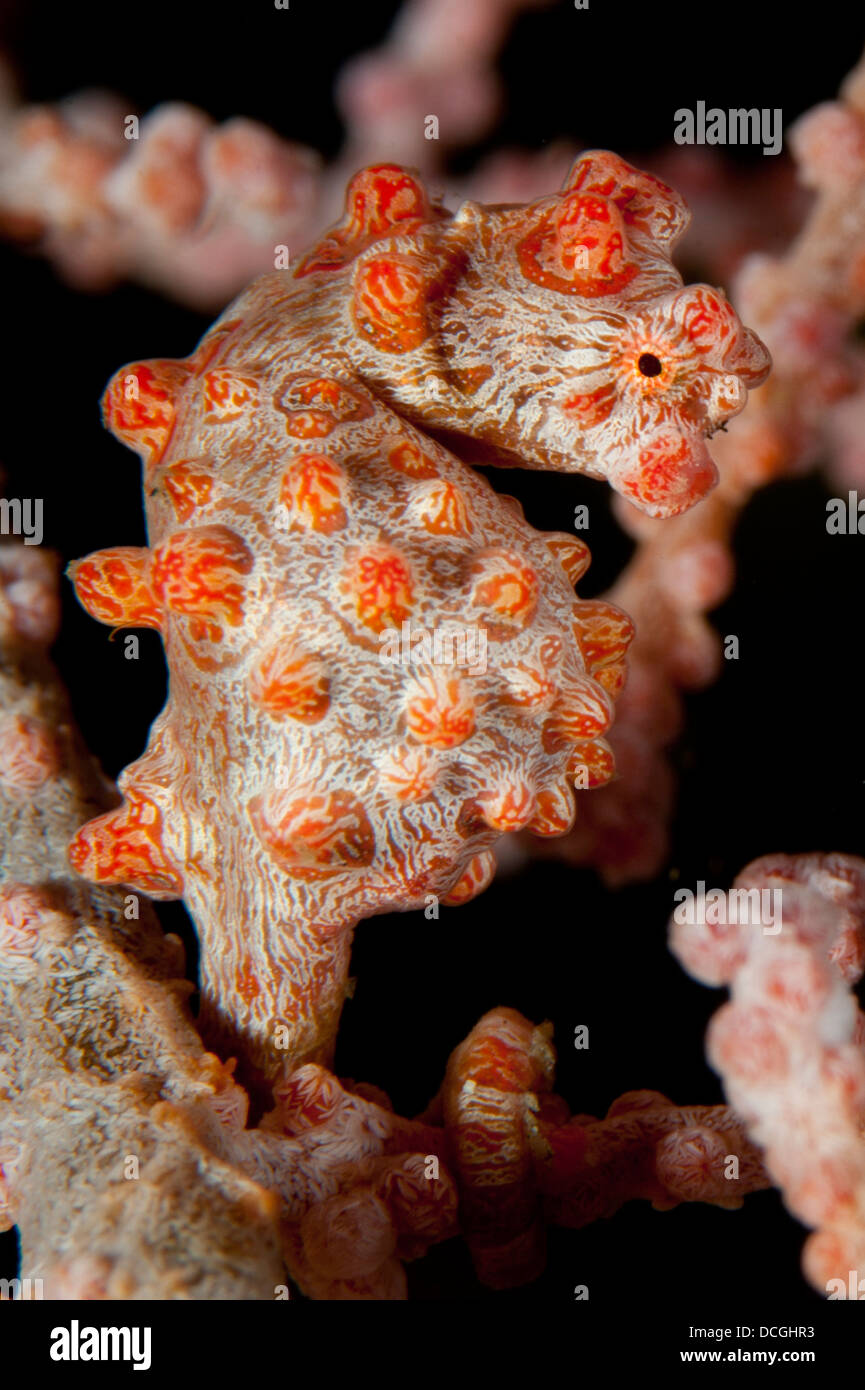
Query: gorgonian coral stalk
[
  {"x": 789, "y": 1044},
  {"x": 195, "y": 208}
]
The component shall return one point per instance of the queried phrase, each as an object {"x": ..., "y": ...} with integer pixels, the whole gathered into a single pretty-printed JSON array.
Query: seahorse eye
[{"x": 649, "y": 364}]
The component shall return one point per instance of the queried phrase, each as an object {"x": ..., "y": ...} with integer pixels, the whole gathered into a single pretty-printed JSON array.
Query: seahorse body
[{"x": 314, "y": 556}]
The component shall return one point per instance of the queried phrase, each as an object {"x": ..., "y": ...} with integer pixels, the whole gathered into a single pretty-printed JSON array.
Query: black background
[{"x": 772, "y": 757}]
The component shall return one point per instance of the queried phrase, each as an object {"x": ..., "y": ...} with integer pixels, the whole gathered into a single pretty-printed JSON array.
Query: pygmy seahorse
[{"x": 303, "y": 512}]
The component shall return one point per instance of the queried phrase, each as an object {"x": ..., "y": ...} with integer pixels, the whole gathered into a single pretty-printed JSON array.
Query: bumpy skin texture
[
  {"x": 805, "y": 304},
  {"x": 297, "y": 781},
  {"x": 100, "y": 1065},
  {"x": 99, "y": 1061},
  {"x": 558, "y": 333}
]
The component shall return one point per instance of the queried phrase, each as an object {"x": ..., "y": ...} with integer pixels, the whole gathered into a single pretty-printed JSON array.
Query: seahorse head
[
  {"x": 603, "y": 362},
  {"x": 559, "y": 331}
]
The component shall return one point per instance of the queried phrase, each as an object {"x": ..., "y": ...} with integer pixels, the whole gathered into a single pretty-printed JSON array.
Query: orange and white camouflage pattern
[{"x": 302, "y": 510}]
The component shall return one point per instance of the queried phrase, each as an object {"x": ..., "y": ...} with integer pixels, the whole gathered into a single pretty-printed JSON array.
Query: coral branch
[
  {"x": 648, "y": 1148},
  {"x": 196, "y": 209},
  {"x": 790, "y": 1044},
  {"x": 110, "y": 1110}
]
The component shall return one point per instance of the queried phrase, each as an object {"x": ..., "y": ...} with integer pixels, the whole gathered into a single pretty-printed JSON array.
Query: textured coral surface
[{"x": 790, "y": 1044}]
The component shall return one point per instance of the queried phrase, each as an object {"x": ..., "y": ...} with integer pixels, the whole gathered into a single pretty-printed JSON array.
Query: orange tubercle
[
  {"x": 573, "y": 555},
  {"x": 408, "y": 458},
  {"x": 592, "y": 763},
  {"x": 530, "y": 686},
  {"x": 389, "y": 303},
  {"x": 115, "y": 587},
  {"x": 139, "y": 405},
  {"x": 555, "y": 813},
  {"x": 509, "y": 806},
  {"x": 228, "y": 397},
  {"x": 603, "y": 632},
  {"x": 478, "y": 875},
  {"x": 125, "y": 846},
  {"x": 584, "y": 711},
  {"x": 316, "y": 833},
  {"x": 378, "y": 199},
  {"x": 409, "y": 772},
  {"x": 188, "y": 487},
  {"x": 505, "y": 589},
  {"x": 379, "y": 580},
  {"x": 612, "y": 677},
  {"x": 579, "y": 247},
  {"x": 440, "y": 711},
  {"x": 442, "y": 510},
  {"x": 315, "y": 491},
  {"x": 647, "y": 204},
  {"x": 289, "y": 681},
  {"x": 314, "y": 406},
  {"x": 198, "y": 572}
]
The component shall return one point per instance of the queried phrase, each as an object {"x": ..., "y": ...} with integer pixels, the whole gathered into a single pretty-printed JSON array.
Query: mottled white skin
[
  {"x": 318, "y": 368},
  {"x": 214, "y": 754},
  {"x": 213, "y": 751}
]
